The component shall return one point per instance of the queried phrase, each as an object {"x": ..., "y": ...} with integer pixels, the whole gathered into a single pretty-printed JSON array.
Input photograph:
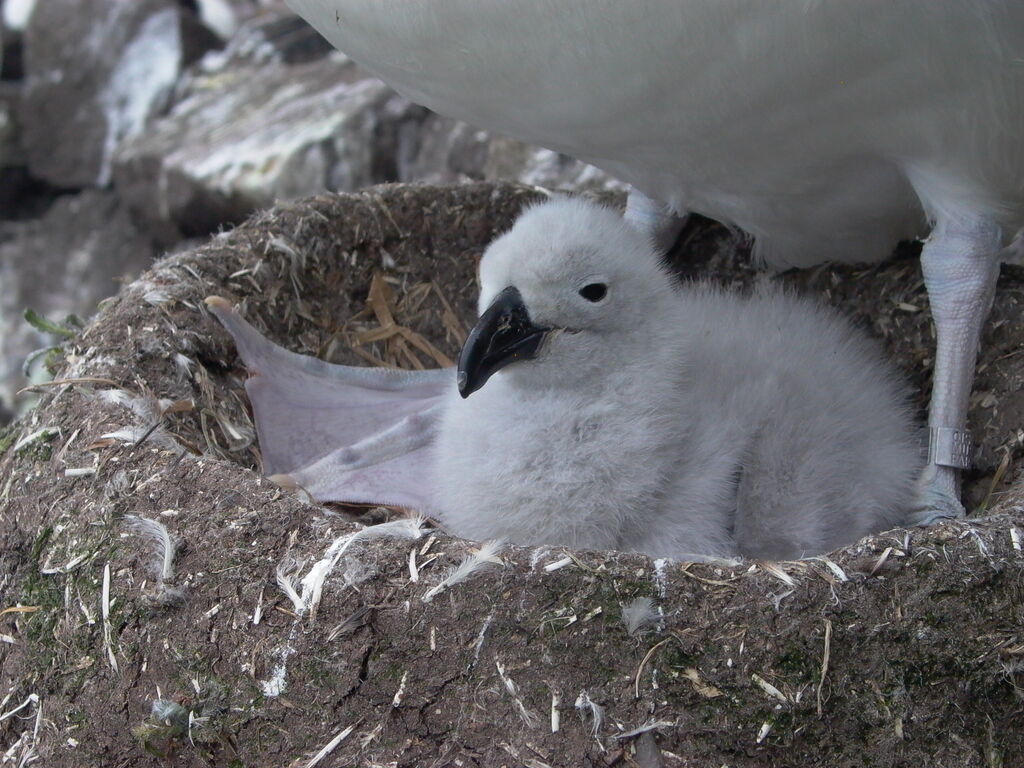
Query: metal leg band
[{"x": 949, "y": 447}]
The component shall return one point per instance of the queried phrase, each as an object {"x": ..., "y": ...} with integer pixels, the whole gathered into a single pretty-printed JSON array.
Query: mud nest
[{"x": 905, "y": 649}]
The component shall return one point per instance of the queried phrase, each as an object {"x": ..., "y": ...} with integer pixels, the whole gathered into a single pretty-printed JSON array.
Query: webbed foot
[{"x": 938, "y": 497}]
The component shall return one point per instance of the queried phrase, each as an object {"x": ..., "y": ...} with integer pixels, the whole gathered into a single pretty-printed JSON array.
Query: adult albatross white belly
[{"x": 827, "y": 129}]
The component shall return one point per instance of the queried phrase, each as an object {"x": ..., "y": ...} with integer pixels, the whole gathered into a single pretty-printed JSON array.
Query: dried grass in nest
[{"x": 381, "y": 333}]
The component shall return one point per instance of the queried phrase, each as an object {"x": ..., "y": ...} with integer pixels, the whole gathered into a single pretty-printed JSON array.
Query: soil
[{"x": 905, "y": 649}]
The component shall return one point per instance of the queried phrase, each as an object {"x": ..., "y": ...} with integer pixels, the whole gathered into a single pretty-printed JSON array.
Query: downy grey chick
[{"x": 600, "y": 405}]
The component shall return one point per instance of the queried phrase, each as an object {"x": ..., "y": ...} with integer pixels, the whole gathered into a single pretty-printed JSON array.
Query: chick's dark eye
[{"x": 594, "y": 291}]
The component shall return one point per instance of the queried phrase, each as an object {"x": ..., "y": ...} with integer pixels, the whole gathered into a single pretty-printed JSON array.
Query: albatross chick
[{"x": 600, "y": 405}]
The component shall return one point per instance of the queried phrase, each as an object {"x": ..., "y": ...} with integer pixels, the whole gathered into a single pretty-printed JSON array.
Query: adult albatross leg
[
  {"x": 960, "y": 261},
  {"x": 655, "y": 219}
]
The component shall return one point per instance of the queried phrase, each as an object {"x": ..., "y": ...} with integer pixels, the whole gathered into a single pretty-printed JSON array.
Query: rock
[
  {"x": 445, "y": 151},
  {"x": 511, "y": 159},
  {"x": 450, "y": 151},
  {"x": 21, "y": 196},
  {"x": 10, "y": 148},
  {"x": 14, "y": 16},
  {"x": 13, "y": 175},
  {"x": 225, "y": 17},
  {"x": 96, "y": 72},
  {"x": 64, "y": 263},
  {"x": 248, "y": 133},
  {"x": 219, "y": 16},
  {"x": 275, "y": 34}
]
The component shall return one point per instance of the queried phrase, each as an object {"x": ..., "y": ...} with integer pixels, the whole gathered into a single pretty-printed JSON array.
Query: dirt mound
[{"x": 902, "y": 650}]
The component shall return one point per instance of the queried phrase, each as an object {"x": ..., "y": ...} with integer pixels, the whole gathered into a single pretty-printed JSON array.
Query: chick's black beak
[{"x": 502, "y": 335}]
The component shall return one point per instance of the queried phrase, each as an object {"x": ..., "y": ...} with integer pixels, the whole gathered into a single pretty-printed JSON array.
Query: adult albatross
[{"x": 828, "y": 130}]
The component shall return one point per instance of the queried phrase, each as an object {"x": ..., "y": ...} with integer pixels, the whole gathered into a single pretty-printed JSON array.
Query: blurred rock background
[{"x": 129, "y": 128}]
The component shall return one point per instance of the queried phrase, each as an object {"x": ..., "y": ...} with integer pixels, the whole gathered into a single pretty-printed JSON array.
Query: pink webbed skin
[{"x": 343, "y": 433}]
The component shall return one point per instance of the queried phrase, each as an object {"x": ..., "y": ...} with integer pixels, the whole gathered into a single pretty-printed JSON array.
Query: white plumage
[
  {"x": 825, "y": 128},
  {"x": 828, "y": 129}
]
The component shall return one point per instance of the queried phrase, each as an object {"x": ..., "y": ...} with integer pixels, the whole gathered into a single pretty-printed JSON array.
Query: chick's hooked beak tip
[{"x": 504, "y": 334}]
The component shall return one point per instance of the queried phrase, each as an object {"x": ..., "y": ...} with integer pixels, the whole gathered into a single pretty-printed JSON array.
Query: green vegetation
[{"x": 40, "y": 323}]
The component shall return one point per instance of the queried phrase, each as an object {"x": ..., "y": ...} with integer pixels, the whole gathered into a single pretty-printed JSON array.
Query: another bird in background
[
  {"x": 599, "y": 405},
  {"x": 827, "y": 129}
]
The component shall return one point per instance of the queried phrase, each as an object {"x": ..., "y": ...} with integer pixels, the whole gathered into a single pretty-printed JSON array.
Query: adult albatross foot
[{"x": 934, "y": 504}]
